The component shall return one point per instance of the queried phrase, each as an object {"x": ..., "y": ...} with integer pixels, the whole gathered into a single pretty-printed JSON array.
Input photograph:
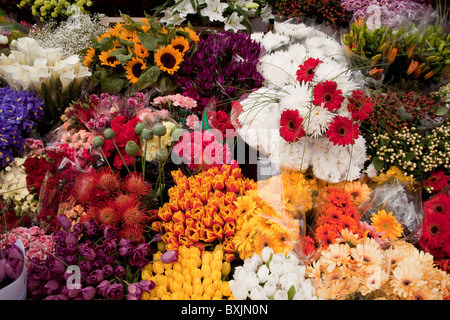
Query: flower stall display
[
  {"x": 232, "y": 15},
  {"x": 138, "y": 190},
  {"x": 140, "y": 54},
  {"x": 308, "y": 113}
]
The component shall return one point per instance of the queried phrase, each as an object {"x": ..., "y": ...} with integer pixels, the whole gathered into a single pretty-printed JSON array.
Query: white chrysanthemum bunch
[
  {"x": 320, "y": 59},
  {"x": 13, "y": 187},
  {"x": 271, "y": 277}
]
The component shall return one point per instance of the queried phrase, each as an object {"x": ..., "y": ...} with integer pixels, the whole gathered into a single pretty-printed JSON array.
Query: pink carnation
[{"x": 192, "y": 121}]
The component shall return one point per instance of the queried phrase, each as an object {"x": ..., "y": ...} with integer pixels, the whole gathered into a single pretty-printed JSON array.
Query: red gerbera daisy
[
  {"x": 291, "y": 128},
  {"x": 436, "y": 230},
  {"x": 306, "y": 70},
  {"x": 342, "y": 131},
  {"x": 359, "y": 106},
  {"x": 439, "y": 204},
  {"x": 437, "y": 181},
  {"x": 326, "y": 92}
]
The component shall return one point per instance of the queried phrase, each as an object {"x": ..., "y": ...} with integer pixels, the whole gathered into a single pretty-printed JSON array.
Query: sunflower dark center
[
  {"x": 111, "y": 59},
  {"x": 137, "y": 70},
  {"x": 433, "y": 229},
  {"x": 179, "y": 47},
  {"x": 168, "y": 60}
]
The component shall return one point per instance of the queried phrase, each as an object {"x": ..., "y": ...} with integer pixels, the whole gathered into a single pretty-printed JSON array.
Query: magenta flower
[
  {"x": 169, "y": 256},
  {"x": 64, "y": 222}
]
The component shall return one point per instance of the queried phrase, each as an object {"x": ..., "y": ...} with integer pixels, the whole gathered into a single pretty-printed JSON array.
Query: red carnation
[
  {"x": 342, "y": 131},
  {"x": 306, "y": 70},
  {"x": 437, "y": 181},
  {"x": 326, "y": 92},
  {"x": 291, "y": 128},
  {"x": 359, "y": 106}
]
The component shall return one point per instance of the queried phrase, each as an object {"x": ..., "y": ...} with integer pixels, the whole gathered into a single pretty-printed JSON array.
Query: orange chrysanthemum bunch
[
  {"x": 202, "y": 209},
  {"x": 270, "y": 216},
  {"x": 197, "y": 275},
  {"x": 336, "y": 212},
  {"x": 359, "y": 267},
  {"x": 113, "y": 201}
]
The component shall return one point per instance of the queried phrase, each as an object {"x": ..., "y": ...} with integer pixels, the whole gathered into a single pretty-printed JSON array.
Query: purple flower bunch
[
  {"x": 224, "y": 65},
  {"x": 11, "y": 264},
  {"x": 391, "y": 12},
  {"x": 90, "y": 262},
  {"x": 19, "y": 110}
]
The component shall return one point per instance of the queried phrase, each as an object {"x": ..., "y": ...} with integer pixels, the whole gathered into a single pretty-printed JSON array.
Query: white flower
[
  {"x": 269, "y": 289},
  {"x": 3, "y": 39},
  {"x": 263, "y": 273},
  {"x": 184, "y": 8},
  {"x": 280, "y": 295},
  {"x": 234, "y": 22},
  {"x": 258, "y": 294},
  {"x": 214, "y": 10},
  {"x": 239, "y": 291},
  {"x": 170, "y": 17},
  {"x": 266, "y": 253},
  {"x": 266, "y": 13}
]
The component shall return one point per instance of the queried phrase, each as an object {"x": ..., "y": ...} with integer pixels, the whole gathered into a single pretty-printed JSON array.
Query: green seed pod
[
  {"x": 159, "y": 129},
  {"x": 139, "y": 127},
  {"x": 162, "y": 155},
  {"x": 176, "y": 133},
  {"x": 147, "y": 134},
  {"x": 98, "y": 141},
  {"x": 109, "y": 134},
  {"x": 132, "y": 148}
]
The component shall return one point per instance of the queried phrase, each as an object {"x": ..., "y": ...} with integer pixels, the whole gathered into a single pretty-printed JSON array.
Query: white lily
[
  {"x": 234, "y": 22},
  {"x": 214, "y": 10},
  {"x": 184, "y": 8}
]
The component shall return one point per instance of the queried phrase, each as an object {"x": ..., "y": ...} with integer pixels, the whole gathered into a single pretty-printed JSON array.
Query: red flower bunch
[
  {"x": 124, "y": 132},
  {"x": 360, "y": 106},
  {"x": 305, "y": 72},
  {"x": 437, "y": 181},
  {"x": 326, "y": 92},
  {"x": 336, "y": 212},
  {"x": 342, "y": 131},
  {"x": 435, "y": 237},
  {"x": 221, "y": 121},
  {"x": 291, "y": 128},
  {"x": 112, "y": 201}
]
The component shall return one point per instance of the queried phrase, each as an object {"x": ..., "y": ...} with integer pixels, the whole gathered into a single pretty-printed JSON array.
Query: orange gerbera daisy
[
  {"x": 358, "y": 191},
  {"x": 386, "y": 222}
]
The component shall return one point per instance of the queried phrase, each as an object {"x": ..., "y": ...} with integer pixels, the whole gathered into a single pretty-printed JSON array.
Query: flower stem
[{"x": 120, "y": 154}]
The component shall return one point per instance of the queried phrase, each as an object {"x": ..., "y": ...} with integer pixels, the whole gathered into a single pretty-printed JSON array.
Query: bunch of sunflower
[
  {"x": 271, "y": 215},
  {"x": 204, "y": 209},
  {"x": 358, "y": 267},
  {"x": 196, "y": 275},
  {"x": 140, "y": 53}
]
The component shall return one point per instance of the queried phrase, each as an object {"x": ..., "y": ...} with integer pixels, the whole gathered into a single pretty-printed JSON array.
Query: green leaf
[
  {"x": 270, "y": 259},
  {"x": 150, "y": 43},
  {"x": 377, "y": 163},
  {"x": 165, "y": 83},
  {"x": 442, "y": 110},
  {"x": 148, "y": 77},
  {"x": 112, "y": 85},
  {"x": 291, "y": 292},
  {"x": 121, "y": 55},
  {"x": 409, "y": 156}
]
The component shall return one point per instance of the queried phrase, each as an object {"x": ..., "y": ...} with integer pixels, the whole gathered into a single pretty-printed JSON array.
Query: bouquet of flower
[
  {"x": 271, "y": 276},
  {"x": 235, "y": 15},
  {"x": 188, "y": 274},
  {"x": 141, "y": 53},
  {"x": 90, "y": 262},
  {"x": 226, "y": 67},
  {"x": 11, "y": 263},
  {"x": 20, "y": 111},
  {"x": 60, "y": 9},
  {"x": 34, "y": 68},
  {"x": 309, "y": 111}
]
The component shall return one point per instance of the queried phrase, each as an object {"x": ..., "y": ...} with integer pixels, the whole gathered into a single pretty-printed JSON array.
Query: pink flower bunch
[
  {"x": 201, "y": 150},
  {"x": 37, "y": 244},
  {"x": 149, "y": 116},
  {"x": 177, "y": 100},
  {"x": 192, "y": 121},
  {"x": 78, "y": 140}
]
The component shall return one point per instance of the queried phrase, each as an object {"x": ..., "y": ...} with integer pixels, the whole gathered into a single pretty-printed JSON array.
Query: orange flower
[
  {"x": 217, "y": 219},
  {"x": 227, "y": 213},
  {"x": 218, "y": 231},
  {"x": 229, "y": 229},
  {"x": 165, "y": 214},
  {"x": 412, "y": 67},
  {"x": 392, "y": 55},
  {"x": 218, "y": 182},
  {"x": 192, "y": 234},
  {"x": 349, "y": 223},
  {"x": 185, "y": 241},
  {"x": 232, "y": 185},
  {"x": 326, "y": 235},
  {"x": 207, "y": 221},
  {"x": 207, "y": 235},
  {"x": 178, "y": 229},
  {"x": 376, "y": 73},
  {"x": 229, "y": 257},
  {"x": 228, "y": 245},
  {"x": 202, "y": 193},
  {"x": 428, "y": 75},
  {"x": 179, "y": 216}
]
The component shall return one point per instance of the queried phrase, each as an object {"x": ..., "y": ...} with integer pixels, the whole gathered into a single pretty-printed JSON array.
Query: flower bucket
[{"x": 16, "y": 290}]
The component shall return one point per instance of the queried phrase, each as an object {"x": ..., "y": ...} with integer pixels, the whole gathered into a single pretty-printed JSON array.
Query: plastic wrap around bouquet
[
  {"x": 307, "y": 114},
  {"x": 17, "y": 289}
]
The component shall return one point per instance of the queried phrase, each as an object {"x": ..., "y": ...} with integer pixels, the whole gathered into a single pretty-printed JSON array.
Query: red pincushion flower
[
  {"x": 439, "y": 204},
  {"x": 342, "y": 131},
  {"x": 291, "y": 128},
  {"x": 359, "y": 106},
  {"x": 326, "y": 92},
  {"x": 436, "y": 230},
  {"x": 306, "y": 70},
  {"x": 437, "y": 181}
]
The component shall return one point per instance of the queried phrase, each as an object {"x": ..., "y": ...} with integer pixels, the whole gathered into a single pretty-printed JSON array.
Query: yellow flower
[
  {"x": 90, "y": 54},
  {"x": 168, "y": 59},
  {"x": 107, "y": 59},
  {"x": 243, "y": 240},
  {"x": 181, "y": 44},
  {"x": 386, "y": 222},
  {"x": 134, "y": 68},
  {"x": 358, "y": 190},
  {"x": 140, "y": 51},
  {"x": 191, "y": 33},
  {"x": 392, "y": 173}
]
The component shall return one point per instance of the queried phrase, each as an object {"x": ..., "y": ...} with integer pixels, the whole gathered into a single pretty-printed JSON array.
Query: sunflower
[
  {"x": 181, "y": 44},
  {"x": 134, "y": 69},
  {"x": 103, "y": 35},
  {"x": 115, "y": 30},
  {"x": 107, "y": 59},
  {"x": 191, "y": 33},
  {"x": 386, "y": 222},
  {"x": 140, "y": 51},
  {"x": 168, "y": 59},
  {"x": 90, "y": 54}
]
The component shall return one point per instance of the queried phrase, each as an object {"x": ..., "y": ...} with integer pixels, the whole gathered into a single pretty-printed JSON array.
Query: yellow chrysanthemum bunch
[
  {"x": 197, "y": 275},
  {"x": 270, "y": 216},
  {"x": 359, "y": 267}
]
